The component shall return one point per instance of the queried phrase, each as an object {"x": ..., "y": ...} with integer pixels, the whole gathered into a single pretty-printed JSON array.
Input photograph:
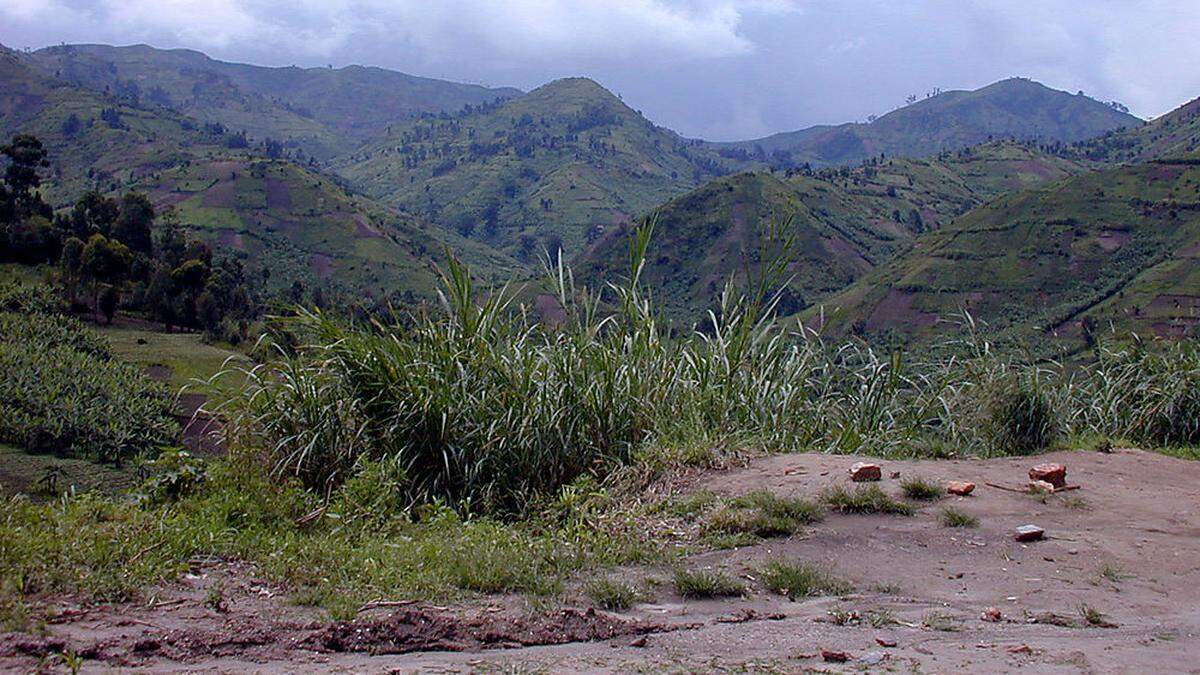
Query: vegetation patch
[
  {"x": 952, "y": 517},
  {"x": 864, "y": 499},
  {"x": 922, "y": 489},
  {"x": 613, "y": 594},
  {"x": 762, "y": 514},
  {"x": 796, "y": 579},
  {"x": 695, "y": 584}
]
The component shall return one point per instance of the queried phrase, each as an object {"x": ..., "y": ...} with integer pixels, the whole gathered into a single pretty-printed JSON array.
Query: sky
[{"x": 713, "y": 69}]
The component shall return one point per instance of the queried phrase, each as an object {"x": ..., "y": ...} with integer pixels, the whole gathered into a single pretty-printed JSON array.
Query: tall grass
[{"x": 478, "y": 405}]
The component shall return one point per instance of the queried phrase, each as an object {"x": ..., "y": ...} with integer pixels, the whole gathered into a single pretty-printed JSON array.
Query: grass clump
[
  {"x": 696, "y": 584},
  {"x": 952, "y": 517},
  {"x": 1094, "y": 617},
  {"x": 762, "y": 514},
  {"x": 922, "y": 489},
  {"x": 613, "y": 594},
  {"x": 863, "y": 500},
  {"x": 801, "y": 579}
]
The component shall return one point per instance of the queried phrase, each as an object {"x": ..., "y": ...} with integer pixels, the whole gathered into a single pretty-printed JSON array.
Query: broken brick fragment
[
  {"x": 961, "y": 488},
  {"x": 1028, "y": 533},
  {"x": 1054, "y": 474},
  {"x": 865, "y": 471}
]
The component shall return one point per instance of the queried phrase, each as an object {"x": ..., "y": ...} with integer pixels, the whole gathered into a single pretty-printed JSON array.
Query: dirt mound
[{"x": 428, "y": 630}]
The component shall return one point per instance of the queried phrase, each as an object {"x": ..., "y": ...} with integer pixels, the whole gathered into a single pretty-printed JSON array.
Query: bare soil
[{"x": 1126, "y": 544}]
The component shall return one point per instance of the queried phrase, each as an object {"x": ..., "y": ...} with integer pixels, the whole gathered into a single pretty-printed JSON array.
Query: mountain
[
  {"x": 558, "y": 165},
  {"x": 1014, "y": 108},
  {"x": 93, "y": 140},
  {"x": 845, "y": 222},
  {"x": 289, "y": 225},
  {"x": 1118, "y": 247},
  {"x": 274, "y": 214},
  {"x": 1176, "y": 134},
  {"x": 323, "y": 111}
]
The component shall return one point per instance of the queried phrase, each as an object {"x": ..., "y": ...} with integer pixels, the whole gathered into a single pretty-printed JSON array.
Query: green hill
[
  {"x": 845, "y": 221},
  {"x": 324, "y": 111},
  {"x": 1014, "y": 108},
  {"x": 94, "y": 141},
  {"x": 1176, "y": 134},
  {"x": 1117, "y": 247},
  {"x": 559, "y": 164}
]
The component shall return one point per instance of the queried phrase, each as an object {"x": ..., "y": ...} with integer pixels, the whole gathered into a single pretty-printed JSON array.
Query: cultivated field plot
[{"x": 1112, "y": 587}]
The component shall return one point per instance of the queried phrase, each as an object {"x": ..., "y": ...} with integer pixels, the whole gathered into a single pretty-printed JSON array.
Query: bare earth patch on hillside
[{"x": 1113, "y": 588}]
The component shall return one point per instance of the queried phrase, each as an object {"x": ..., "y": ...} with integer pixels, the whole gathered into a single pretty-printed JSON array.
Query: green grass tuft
[
  {"x": 952, "y": 517},
  {"x": 695, "y": 584},
  {"x": 801, "y": 579},
  {"x": 922, "y": 489},
  {"x": 863, "y": 500},
  {"x": 613, "y": 594}
]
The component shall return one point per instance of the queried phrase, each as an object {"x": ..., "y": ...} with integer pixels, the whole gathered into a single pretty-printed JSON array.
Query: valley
[{"x": 311, "y": 369}]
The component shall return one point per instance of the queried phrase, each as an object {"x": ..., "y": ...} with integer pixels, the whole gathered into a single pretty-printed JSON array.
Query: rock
[
  {"x": 865, "y": 471},
  {"x": 1054, "y": 474},
  {"x": 961, "y": 488},
  {"x": 640, "y": 642},
  {"x": 884, "y": 642},
  {"x": 834, "y": 657},
  {"x": 1028, "y": 533},
  {"x": 873, "y": 659},
  {"x": 991, "y": 615},
  {"x": 1040, "y": 487}
]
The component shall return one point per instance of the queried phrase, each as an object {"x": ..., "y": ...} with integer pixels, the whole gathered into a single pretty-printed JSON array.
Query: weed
[
  {"x": 1110, "y": 573},
  {"x": 706, "y": 584},
  {"x": 952, "y": 517},
  {"x": 942, "y": 622},
  {"x": 1076, "y": 502},
  {"x": 613, "y": 594},
  {"x": 921, "y": 489},
  {"x": 881, "y": 618},
  {"x": 844, "y": 617},
  {"x": 887, "y": 589},
  {"x": 215, "y": 598},
  {"x": 1094, "y": 617},
  {"x": 801, "y": 579},
  {"x": 864, "y": 499}
]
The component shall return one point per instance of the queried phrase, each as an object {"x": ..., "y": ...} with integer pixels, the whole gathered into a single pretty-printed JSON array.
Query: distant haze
[{"x": 715, "y": 69}]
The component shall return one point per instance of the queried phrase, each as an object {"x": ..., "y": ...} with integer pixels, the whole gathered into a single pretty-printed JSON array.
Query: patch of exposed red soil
[
  {"x": 1111, "y": 240},
  {"x": 896, "y": 309},
  {"x": 322, "y": 264},
  {"x": 425, "y": 630},
  {"x": 221, "y": 195},
  {"x": 363, "y": 229},
  {"x": 231, "y": 239},
  {"x": 278, "y": 196}
]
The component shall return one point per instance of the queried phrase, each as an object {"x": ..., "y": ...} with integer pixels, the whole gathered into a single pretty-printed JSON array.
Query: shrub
[
  {"x": 1019, "y": 418},
  {"x": 801, "y": 579}
]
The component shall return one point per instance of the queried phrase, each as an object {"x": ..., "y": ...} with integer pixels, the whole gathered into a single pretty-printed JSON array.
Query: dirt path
[{"x": 1135, "y": 517}]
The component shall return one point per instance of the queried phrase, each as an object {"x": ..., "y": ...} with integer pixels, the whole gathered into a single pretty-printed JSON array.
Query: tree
[
  {"x": 134, "y": 221},
  {"x": 104, "y": 261},
  {"x": 93, "y": 214},
  {"x": 71, "y": 263},
  {"x": 108, "y": 301},
  {"x": 26, "y": 157}
]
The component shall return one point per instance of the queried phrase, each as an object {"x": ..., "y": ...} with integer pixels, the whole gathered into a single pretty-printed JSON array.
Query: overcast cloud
[{"x": 717, "y": 69}]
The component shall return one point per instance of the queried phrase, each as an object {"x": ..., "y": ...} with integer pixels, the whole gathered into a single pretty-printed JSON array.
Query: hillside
[
  {"x": 559, "y": 164},
  {"x": 845, "y": 221},
  {"x": 1118, "y": 247},
  {"x": 320, "y": 110},
  {"x": 1176, "y": 134},
  {"x": 93, "y": 140},
  {"x": 1014, "y": 108},
  {"x": 289, "y": 225}
]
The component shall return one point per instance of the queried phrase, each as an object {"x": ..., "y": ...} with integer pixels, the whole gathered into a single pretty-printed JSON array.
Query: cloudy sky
[{"x": 716, "y": 69}]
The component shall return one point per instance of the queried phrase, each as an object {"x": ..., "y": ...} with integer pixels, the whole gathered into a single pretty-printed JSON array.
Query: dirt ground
[{"x": 1135, "y": 517}]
